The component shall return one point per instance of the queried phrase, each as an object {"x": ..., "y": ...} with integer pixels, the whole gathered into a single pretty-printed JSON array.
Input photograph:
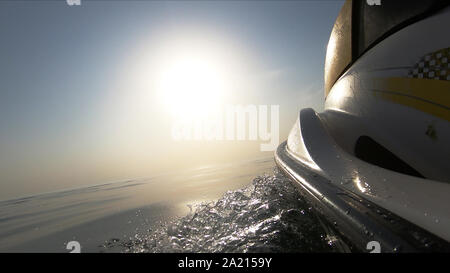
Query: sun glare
[{"x": 192, "y": 85}]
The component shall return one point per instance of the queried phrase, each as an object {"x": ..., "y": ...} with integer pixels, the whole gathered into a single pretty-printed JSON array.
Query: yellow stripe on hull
[{"x": 429, "y": 96}]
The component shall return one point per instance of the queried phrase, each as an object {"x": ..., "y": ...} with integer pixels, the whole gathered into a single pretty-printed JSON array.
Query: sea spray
[{"x": 269, "y": 215}]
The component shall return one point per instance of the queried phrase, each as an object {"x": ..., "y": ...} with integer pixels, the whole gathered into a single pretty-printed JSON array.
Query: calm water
[{"x": 242, "y": 207}]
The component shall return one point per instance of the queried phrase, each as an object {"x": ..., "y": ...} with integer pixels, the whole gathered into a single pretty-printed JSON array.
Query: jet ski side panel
[
  {"x": 349, "y": 190},
  {"x": 359, "y": 221}
]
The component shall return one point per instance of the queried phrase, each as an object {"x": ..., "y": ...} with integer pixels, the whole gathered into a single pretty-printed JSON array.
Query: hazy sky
[{"x": 79, "y": 103}]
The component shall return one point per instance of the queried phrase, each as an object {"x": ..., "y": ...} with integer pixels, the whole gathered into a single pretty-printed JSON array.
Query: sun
[{"x": 192, "y": 85}]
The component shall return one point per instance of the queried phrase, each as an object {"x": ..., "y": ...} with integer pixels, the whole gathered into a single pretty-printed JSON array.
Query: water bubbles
[{"x": 267, "y": 216}]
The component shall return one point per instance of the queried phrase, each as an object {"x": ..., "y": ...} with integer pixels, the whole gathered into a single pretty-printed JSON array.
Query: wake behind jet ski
[{"x": 376, "y": 162}]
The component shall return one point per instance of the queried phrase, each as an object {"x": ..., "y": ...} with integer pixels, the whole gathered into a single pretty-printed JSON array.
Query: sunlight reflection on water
[
  {"x": 269, "y": 215},
  {"x": 169, "y": 213}
]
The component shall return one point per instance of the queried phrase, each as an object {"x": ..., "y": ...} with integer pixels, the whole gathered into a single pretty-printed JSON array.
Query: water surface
[{"x": 242, "y": 207}]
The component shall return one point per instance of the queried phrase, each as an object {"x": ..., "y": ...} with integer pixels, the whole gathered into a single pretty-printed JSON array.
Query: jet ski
[{"x": 375, "y": 164}]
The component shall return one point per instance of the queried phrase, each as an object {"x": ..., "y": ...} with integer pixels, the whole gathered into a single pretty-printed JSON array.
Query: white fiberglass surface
[{"x": 420, "y": 201}]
